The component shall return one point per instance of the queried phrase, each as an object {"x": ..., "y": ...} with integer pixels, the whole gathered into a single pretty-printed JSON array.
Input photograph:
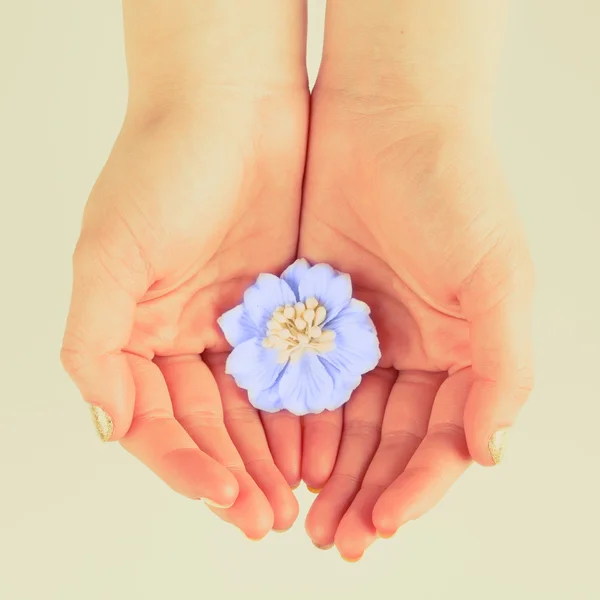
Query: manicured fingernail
[
  {"x": 386, "y": 536},
  {"x": 352, "y": 560},
  {"x": 102, "y": 422},
  {"x": 295, "y": 487},
  {"x": 313, "y": 490},
  {"x": 497, "y": 444},
  {"x": 214, "y": 504},
  {"x": 323, "y": 546},
  {"x": 281, "y": 530}
]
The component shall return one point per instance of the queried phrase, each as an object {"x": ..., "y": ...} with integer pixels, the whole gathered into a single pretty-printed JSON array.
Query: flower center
[{"x": 294, "y": 329}]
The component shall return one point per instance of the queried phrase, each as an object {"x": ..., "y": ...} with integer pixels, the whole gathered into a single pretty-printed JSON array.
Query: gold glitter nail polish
[
  {"x": 385, "y": 536},
  {"x": 497, "y": 444},
  {"x": 103, "y": 423},
  {"x": 351, "y": 560},
  {"x": 323, "y": 546},
  {"x": 313, "y": 490}
]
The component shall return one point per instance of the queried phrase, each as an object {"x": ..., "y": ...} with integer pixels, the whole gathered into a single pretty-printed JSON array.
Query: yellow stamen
[
  {"x": 293, "y": 330},
  {"x": 320, "y": 315},
  {"x": 300, "y": 324},
  {"x": 312, "y": 303},
  {"x": 279, "y": 317},
  {"x": 315, "y": 332}
]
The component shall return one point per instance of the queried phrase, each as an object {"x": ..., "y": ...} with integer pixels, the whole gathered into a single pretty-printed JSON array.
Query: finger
[
  {"x": 404, "y": 426},
  {"x": 363, "y": 415},
  {"x": 197, "y": 406},
  {"x": 159, "y": 441},
  {"x": 246, "y": 431},
  {"x": 502, "y": 360},
  {"x": 284, "y": 436},
  {"x": 109, "y": 277},
  {"x": 320, "y": 443},
  {"x": 439, "y": 460}
]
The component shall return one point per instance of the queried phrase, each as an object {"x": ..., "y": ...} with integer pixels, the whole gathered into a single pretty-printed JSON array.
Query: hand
[
  {"x": 413, "y": 206},
  {"x": 200, "y": 194}
]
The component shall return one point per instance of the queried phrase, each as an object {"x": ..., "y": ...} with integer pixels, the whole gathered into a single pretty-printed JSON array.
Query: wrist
[
  {"x": 437, "y": 54},
  {"x": 178, "y": 51}
]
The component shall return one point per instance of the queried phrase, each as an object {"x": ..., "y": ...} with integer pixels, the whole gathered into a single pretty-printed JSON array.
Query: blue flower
[{"x": 300, "y": 341}]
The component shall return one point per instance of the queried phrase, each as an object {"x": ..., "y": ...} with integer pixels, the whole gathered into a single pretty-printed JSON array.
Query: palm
[
  {"x": 200, "y": 255},
  {"x": 389, "y": 212}
]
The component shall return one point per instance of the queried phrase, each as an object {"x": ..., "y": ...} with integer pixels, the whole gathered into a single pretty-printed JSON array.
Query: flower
[{"x": 300, "y": 341}]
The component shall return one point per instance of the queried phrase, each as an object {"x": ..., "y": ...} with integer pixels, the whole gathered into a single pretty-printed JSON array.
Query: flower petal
[
  {"x": 330, "y": 287},
  {"x": 237, "y": 326},
  {"x": 262, "y": 298},
  {"x": 253, "y": 367},
  {"x": 305, "y": 386},
  {"x": 267, "y": 400},
  {"x": 356, "y": 349},
  {"x": 344, "y": 383},
  {"x": 355, "y": 313},
  {"x": 294, "y": 273}
]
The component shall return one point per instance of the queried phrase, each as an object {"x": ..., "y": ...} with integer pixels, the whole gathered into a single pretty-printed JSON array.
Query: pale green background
[{"x": 79, "y": 520}]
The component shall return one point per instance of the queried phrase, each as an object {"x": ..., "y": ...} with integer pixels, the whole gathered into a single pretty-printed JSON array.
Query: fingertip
[
  {"x": 251, "y": 512},
  {"x": 390, "y": 512},
  {"x": 192, "y": 473},
  {"x": 352, "y": 542},
  {"x": 487, "y": 422},
  {"x": 108, "y": 388},
  {"x": 285, "y": 506},
  {"x": 385, "y": 524},
  {"x": 488, "y": 450},
  {"x": 496, "y": 445},
  {"x": 103, "y": 423},
  {"x": 228, "y": 492},
  {"x": 260, "y": 526},
  {"x": 321, "y": 536},
  {"x": 287, "y": 513}
]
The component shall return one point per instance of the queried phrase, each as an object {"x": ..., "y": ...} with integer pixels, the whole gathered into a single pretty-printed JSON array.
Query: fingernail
[
  {"x": 497, "y": 444},
  {"x": 313, "y": 490},
  {"x": 214, "y": 504},
  {"x": 323, "y": 546},
  {"x": 103, "y": 423},
  {"x": 352, "y": 560},
  {"x": 386, "y": 536},
  {"x": 281, "y": 530},
  {"x": 295, "y": 487}
]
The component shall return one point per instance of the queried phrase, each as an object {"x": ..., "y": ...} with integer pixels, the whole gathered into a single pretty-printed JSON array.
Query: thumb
[
  {"x": 502, "y": 360},
  {"x": 109, "y": 277}
]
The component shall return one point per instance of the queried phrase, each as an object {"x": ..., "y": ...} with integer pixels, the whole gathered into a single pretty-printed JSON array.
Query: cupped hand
[
  {"x": 195, "y": 200},
  {"x": 413, "y": 205}
]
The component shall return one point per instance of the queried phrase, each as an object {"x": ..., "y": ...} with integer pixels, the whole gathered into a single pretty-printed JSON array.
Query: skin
[
  {"x": 208, "y": 165},
  {"x": 402, "y": 190}
]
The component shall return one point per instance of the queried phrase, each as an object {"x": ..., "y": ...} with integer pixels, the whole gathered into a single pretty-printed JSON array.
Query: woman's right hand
[{"x": 200, "y": 194}]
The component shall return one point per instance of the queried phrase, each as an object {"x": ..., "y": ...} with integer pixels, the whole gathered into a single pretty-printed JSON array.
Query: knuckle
[
  {"x": 449, "y": 430},
  {"x": 363, "y": 429},
  {"x": 345, "y": 477},
  {"x": 244, "y": 414},
  {"x": 401, "y": 437},
  {"x": 200, "y": 419}
]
